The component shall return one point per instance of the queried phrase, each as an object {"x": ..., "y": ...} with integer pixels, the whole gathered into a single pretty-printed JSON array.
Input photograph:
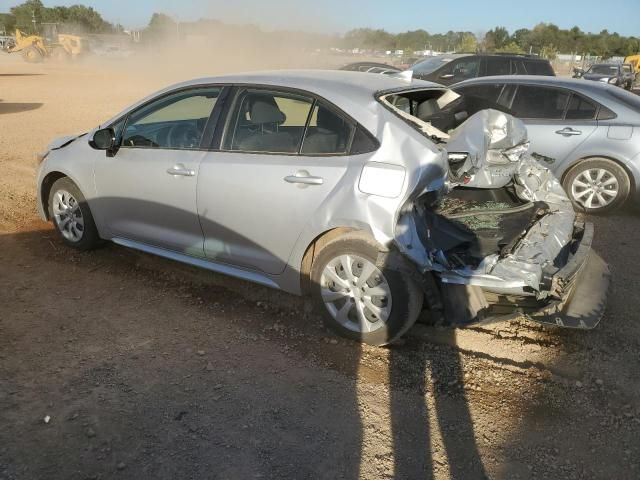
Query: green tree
[
  {"x": 511, "y": 47},
  {"x": 467, "y": 43},
  {"x": 496, "y": 38}
]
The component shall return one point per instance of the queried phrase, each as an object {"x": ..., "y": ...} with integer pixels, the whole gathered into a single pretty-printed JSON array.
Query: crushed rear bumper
[{"x": 579, "y": 289}]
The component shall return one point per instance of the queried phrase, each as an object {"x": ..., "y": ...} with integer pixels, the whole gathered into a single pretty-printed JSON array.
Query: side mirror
[{"x": 104, "y": 139}]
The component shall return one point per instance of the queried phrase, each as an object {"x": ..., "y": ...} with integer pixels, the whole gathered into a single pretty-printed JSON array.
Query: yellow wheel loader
[{"x": 58, "y": 46}]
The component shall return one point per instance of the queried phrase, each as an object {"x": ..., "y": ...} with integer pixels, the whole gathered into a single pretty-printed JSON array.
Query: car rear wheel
[
  {"x": 360, "y": 295},
  {"x": 71, "y": 216},
  {"x": 597, "y": 185}
]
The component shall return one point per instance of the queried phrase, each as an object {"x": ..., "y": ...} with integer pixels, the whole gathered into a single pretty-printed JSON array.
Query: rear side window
[
  {"x": 488, "y": 91},
  {"x": 539, "y": 102},
  {"x": 327, "y": 133},
  {"x": 497, "y": 66},
  {"x": 581, "y": 109},
  {"x": 363, "y": 142},
  {"x": 518, "y": 67},
  {"x": 536, "y": 67},
  {"x": 266, "y": 121}
]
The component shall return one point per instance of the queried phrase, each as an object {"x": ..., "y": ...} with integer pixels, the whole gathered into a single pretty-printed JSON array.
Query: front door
[
  {"x": 147, "y": 190},
  {"x": 282, "y": 155}
]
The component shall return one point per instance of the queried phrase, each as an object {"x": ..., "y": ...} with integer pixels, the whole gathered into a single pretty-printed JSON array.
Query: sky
[{"x": 337, "y": 16}]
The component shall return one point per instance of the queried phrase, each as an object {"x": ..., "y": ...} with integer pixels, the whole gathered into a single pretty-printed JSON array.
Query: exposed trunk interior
[{"x": 470, "y": 224}]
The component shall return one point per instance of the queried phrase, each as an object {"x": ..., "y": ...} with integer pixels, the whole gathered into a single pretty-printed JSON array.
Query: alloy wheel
[
  {"x": 68, "y": 216},
  {"x": 595, "y": 188}
]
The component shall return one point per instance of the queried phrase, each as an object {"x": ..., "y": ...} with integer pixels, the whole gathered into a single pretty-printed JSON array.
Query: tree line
[
  {"x": 76, "y": 18},
  {"x": 544, "y": 39}
]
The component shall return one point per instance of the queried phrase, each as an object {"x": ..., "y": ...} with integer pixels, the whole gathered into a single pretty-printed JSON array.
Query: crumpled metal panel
[
  {"x": 485, "y": 136},
  {"x": 545, "y": 240}
]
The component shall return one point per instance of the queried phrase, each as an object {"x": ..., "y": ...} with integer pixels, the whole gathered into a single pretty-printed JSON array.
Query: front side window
[
  {"x": 266, "y": 121},
  {"x": 176, "y": 121},
  {"x": 539, "y": 102},
  {"x": 462, "y": 69},
  {"x": 485, "y": 91},
  {"x": 328, "y": 132}
]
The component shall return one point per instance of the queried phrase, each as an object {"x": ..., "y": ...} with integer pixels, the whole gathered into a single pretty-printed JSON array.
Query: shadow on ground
[{"x": 145, "y": 368}]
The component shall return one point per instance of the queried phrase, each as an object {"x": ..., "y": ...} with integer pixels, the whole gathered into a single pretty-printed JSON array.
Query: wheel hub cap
[
  {"x": 68, "y": 216},
  {"x": 356, "y": 293},
  {"x": 595, "y": 188}
]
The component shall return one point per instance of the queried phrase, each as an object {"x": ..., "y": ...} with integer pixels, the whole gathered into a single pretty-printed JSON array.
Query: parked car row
[
  {"x": 586, "y": 131},
  {"x": 621, "y": 75}
]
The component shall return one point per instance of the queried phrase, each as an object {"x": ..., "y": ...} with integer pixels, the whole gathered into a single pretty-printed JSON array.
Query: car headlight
[
  {"x": 613, "y": 81},
  {"x": 605, "y": 79}
]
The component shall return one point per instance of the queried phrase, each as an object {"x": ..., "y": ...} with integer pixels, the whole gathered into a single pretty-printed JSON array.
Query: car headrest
[
  {"x": 265, "y": 110},
  {"x": 427, "y": 108}
]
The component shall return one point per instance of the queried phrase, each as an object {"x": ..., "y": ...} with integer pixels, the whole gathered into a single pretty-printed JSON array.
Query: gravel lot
[{"x": 114, "y": 364}]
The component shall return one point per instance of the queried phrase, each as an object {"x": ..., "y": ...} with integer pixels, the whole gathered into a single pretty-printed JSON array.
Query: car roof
[
  {"x": 351, "y": 91},
  {"x": 572, "y": 83},
  {"x": 328, "y": 83}
]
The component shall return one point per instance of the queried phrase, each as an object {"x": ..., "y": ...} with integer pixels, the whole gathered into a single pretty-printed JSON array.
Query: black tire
[
  {"x": 89, "y": 238},
  {"x": 32, "y": 55},
  {"x": 613, "y": 169},
  {"x": 406, "y": 295}
]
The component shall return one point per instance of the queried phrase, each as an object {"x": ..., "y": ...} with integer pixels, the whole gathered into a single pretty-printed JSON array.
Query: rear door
[
  {"x": 281, "y": 155},
  {"x": 557, "y": 120}
]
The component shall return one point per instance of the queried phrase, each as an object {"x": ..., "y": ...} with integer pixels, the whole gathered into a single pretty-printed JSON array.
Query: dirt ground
[{"x": 114, "y": 364}]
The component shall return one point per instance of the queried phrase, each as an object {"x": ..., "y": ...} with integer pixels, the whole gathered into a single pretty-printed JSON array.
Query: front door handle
[
  {"x": 304, "y": 178},
  {"x": 181, "y": 171},
  {"x": 568, "y": 132}
]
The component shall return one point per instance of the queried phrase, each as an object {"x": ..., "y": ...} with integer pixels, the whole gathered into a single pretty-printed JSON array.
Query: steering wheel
[{"x": 183, "y": 136}]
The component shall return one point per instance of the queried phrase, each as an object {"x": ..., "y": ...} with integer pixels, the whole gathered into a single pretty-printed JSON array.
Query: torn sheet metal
[{"x": 494, "y": 145}]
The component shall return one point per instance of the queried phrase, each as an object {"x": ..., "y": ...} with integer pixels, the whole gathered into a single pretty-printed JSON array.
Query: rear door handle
[
  {"x": 303, "y": 179},
  {"x": 180, "y": 170},
  {"x": 568, "y": 132}
]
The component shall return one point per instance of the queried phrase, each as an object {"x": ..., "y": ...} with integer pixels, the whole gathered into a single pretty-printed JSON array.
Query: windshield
[
  {"x": 603, "y": 69},
  {"x": 429, "y": 65}
]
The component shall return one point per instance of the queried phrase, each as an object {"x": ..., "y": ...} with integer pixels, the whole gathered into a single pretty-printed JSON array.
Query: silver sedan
[
  {"x": 341, "y": 185},
  {"x": 587, "y": 133}
]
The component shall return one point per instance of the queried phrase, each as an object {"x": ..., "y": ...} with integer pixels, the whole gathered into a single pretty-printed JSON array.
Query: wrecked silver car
[{"x": 383, "y": 198}]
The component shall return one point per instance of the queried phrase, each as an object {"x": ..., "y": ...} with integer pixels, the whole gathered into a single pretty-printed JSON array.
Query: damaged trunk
[{"x": 502, "y": 237}]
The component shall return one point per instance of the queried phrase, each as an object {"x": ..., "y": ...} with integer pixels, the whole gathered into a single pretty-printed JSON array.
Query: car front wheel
[
  {"x": 597, "y": 185},
  {"x": 71, "y": 216},
  {"x": 360, "y": 295}
]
